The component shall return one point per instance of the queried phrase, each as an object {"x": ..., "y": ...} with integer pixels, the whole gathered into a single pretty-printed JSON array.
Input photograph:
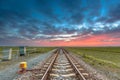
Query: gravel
[
  {"x": 11, "y": 72},
  {"x": 90, "y": 69},
  {"x": 98, "y": 74}
]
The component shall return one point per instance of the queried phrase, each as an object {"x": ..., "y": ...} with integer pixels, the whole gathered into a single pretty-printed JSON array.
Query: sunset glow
[{"x": 59, "y": 23}]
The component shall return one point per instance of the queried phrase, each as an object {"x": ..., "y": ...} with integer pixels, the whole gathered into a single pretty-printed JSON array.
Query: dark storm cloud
[
  {"x": 114, "y": 14},
  {"x": 25, "y": 19}
]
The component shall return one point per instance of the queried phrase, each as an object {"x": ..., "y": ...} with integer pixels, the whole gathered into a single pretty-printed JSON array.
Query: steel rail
[
  {"x": 74, "y": 66},
  {"x": 44, "y": 77},
  {"x": 42, "y": 64}
]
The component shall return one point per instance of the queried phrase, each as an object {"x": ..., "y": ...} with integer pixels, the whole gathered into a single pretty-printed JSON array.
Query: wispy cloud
[{"x": 28, "y": 22}]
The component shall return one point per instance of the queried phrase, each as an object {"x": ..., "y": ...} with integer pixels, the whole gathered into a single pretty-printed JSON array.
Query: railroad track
[{"x": 60, "y": 66}]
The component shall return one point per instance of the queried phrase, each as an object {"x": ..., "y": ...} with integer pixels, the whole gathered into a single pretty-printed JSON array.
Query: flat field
[
  {"x": 16, "y": 58},
  {"x": 102, "y": 58}
]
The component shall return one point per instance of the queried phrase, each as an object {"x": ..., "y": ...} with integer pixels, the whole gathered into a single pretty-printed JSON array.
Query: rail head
[
  {"x": 44, "y": 77},
  {"x": 75, "y": 67}
]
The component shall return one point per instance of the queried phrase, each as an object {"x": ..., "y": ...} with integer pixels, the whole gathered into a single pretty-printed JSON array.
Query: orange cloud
[{"x": 95, "y": 40}]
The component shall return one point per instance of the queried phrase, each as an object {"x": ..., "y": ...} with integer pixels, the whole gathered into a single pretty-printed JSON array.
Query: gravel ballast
[
  {"x": 11, "y": 72},
  {"x": 98, "y": 74}
]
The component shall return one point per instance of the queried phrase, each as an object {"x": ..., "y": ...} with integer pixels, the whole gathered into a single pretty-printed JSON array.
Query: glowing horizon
[{"x": 59, "y": 23}]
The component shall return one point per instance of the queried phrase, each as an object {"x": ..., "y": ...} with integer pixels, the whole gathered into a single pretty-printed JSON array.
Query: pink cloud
[{"x": 95, "y": 40}]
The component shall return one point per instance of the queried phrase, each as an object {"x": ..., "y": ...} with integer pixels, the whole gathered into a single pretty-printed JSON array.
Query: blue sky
[{"x": 48, "y": 22}]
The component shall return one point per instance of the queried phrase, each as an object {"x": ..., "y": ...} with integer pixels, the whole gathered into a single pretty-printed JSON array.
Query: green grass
[
  {"x": 29, "y": 49},
  {"x": 39, "y": 50},
  {"x": 107, "y": 58}
]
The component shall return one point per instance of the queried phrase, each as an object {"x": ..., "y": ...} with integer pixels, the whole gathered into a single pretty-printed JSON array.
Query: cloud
[
  {"x": 61, "y": 20},
  {"x": 114, "y": 14}
]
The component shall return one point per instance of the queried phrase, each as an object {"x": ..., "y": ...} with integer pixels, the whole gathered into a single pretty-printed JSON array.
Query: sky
[{"x": 59, "y": 22}]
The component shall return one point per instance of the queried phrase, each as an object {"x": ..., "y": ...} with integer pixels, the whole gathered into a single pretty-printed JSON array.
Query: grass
[
  {"x": 107, "y": 58},
  {"x": 16, "y": 59},
  {"x": 29, "y": 49}
]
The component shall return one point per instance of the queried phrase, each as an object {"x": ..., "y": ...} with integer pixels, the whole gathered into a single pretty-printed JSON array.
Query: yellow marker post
[{"x": 23, "y": 67}]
